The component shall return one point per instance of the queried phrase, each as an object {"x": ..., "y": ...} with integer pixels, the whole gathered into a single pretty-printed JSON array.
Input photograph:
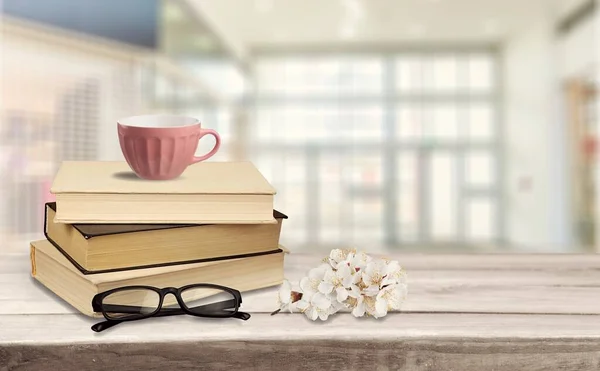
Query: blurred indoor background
[{"x": 422, "y": 125}]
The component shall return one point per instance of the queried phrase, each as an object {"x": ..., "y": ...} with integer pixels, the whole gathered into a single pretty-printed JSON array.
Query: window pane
[
  {"x": 361, "y": 76},
  {"x": 480, "y": 169},
  {"x": 409, "y": 74},
  {"x": 481, "y": 218},
  {"x": 367, "y": 221},
  {"x": 408, "y": 194},
  {"x": 299, "y": 124},
  {"x": 480, "y": 119},
  {"x": 444, "y": 122},
  {"x": 333, "y": 201},
  {"x": 409, "y": 123},
  {"x": 317, "y": 76},
  {"x": 364, "y": 169},
  {"x": 443, "y": 195},
  {"x": 270, "y": 74},
  {"x": 481, "y": 73},
  {"x": 359, "y": 124},
  {"x": 264, "y": 123},
  {"x": 445, "y": 73},
  {"x": 294, "y": 167}
]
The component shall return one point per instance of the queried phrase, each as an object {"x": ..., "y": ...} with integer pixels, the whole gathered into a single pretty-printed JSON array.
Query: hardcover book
[
  {"x": 54, "y": 271},
  {"x": 108, "y": 192},
  {"x": 98, "y": 248}
]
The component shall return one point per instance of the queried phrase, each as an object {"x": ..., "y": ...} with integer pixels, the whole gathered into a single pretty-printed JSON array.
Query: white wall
[
  {"x": 577, "y": 57},
  {"x": 536, "y": 63},
  {"x": 533, "y": 206},
  {"x": 576, "y": 49}
]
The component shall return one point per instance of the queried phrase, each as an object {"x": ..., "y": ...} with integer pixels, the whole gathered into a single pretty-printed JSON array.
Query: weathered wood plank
[
  {"x": 507, "y": 355},
  {"x": 399, "y": 342},
  {"x": 72, "y": 329},
  {"x": 14, "y": 262},
  {"x": 548, "y": 290},
  {"x": 441, "y": 286}
]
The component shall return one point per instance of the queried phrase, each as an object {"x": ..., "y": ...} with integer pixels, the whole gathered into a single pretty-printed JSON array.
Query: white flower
[
  {"x": 374, "y": 273},
  {"x": 310, "y": 284},
  {"x": 355, "y": 301},
  {"x": 336, "y": 306},
  {"x": 372, "y": 290},
  {"x": 337, "y": 256},
  {"x": 389, "y": 298},
  {"x": 359, "y": 307},
  {"x": 394, "y": 273},
  {"x": 335, "y": 279},
  {"x": 347, "y": 279},
  {"x": 394, "y": 295},
  {"x": 315, "y": 305},
  {"x": 358, "y": 261},
  {"x": 284, "y": 298}
]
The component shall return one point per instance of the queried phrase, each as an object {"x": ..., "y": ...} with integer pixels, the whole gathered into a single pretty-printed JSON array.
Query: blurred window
[{"x": 376, "y": 149}]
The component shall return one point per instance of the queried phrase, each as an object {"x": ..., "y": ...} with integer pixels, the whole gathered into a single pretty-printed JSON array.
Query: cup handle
[{"x": 204, "y": 132}]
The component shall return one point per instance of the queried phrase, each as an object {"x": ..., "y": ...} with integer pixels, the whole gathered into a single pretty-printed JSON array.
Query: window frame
[{"x": 391, "y": 146}]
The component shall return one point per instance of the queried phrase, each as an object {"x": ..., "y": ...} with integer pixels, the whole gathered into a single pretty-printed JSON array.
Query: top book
[{"x": 207, "y": 192}]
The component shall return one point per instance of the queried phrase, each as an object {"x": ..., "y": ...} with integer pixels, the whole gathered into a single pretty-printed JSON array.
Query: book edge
[
  {"x": 87, "y": 272},
  {"x": 52, "y": 205},
  {"x": 57, "y": 187}
]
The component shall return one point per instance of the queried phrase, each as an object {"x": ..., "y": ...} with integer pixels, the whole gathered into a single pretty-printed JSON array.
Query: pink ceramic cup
[{"x": 160, "y": 147}]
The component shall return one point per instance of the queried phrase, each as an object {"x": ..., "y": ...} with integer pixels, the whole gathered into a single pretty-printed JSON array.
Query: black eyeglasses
[{"x": 132, "y": 303}]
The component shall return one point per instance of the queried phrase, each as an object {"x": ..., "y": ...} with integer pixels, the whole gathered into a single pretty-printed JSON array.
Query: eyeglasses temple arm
[
  {"x": 242, "y": 315},
  {"x": 115, "y": 308},
  {"x": 101, "y": 326}
]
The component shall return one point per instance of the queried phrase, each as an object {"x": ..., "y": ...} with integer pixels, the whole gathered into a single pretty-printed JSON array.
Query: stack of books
[{"x": 108, "y": 229}]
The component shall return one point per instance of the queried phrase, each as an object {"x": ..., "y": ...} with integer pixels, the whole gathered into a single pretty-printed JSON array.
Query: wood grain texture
[
  {"x": 309, "y": 355},
  {"x": 75, "y": 329},
  {"x": 559, "y": 284},
  {"x": 464, "y": 312}
]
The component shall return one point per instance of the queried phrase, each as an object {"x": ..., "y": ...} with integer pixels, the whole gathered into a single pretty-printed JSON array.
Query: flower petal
[
  {"x": 319, "y": 272},
  {"x": 348, "y": 280},
  {"x": 342, "y": 294},
  {"x": 305, "y": 285},
  {"x": 372, "y": 290},
  {"x": 302, "y": 305},
  {"x": 359, "y": 310},
  {"x": 330, "y": 276},
  {"x": 311, "y": 313},
  {"x": 325, "y": 287},
  {"x": 320, "y": 301},
  {"x": 335, "y": 307},
  {"x": 337, "y": 255},
  {"x": 366, "y": 277},
  {"x": 381, "y": 307},
  {"x": 342, "y": 268},
  {"x": 354, "y": 291},
  {"x": 323, "y": 315},
  {"x": 285, "y": 292},
  {"x": 292, "y": 307}
]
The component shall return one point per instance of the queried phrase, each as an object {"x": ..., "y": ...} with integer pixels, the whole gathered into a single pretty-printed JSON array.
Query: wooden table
[{"x": 463, "y": 312}]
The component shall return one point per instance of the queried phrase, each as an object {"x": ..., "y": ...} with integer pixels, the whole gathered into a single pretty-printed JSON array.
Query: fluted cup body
[{"x": 161, "y": 147}]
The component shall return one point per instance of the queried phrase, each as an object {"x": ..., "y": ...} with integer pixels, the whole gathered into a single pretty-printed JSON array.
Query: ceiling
[
  {"x": 250, "y": 24},
  {"x": 183, "y": 33}
]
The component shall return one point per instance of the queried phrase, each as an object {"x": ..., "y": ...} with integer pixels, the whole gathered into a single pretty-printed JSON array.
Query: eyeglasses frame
[{"x": 97, "y": 304}]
